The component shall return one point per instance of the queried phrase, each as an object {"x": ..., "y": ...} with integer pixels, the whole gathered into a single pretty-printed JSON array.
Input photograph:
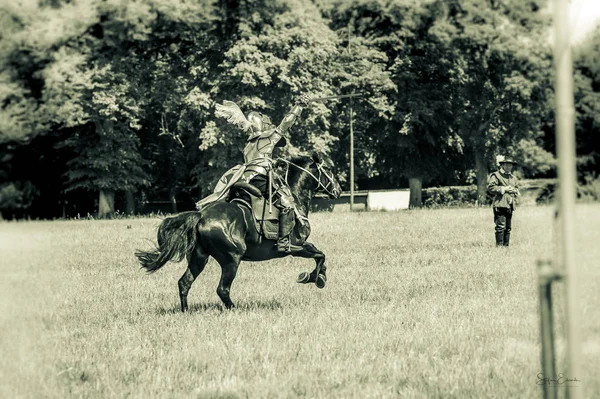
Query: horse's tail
[{"x": 176, "y": 238}]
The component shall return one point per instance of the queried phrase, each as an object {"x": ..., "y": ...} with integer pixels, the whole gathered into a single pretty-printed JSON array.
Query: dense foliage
[{"x": 107, "y": 104}]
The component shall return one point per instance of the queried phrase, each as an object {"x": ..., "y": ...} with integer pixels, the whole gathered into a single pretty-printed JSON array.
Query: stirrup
[{"x": 284, "y": 246}]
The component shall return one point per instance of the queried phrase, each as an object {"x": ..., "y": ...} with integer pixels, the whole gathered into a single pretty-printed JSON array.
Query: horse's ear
[
  {"x": 317, "y": 158},
  {"x": 279, "y": 163}
]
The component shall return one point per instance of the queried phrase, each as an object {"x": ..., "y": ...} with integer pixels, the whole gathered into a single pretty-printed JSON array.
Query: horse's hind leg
[
  {"x": 196, "y": 263},
  {"x": 229, "y": 265}
]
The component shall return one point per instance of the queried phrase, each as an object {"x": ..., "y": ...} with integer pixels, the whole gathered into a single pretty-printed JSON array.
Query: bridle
[{"x": 322, "y": 172}]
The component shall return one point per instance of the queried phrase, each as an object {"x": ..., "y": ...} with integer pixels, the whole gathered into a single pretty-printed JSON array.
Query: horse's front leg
[{"x": 318, "y": 275}]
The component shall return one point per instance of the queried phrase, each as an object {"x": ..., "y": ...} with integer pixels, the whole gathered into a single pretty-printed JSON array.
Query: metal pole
[
  {"x": 546, "y": 275},
  {"x": 351, "y": 133},
  {"x": 351, "y": 163},
  {"x": 565, "y": 151}
]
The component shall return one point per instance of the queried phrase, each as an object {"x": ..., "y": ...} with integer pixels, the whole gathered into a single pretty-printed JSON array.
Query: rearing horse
[{"x": 226, "y": 231}]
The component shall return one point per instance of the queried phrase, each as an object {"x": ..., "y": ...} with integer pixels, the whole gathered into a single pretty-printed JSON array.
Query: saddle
[{"x": 266, "y": 223}]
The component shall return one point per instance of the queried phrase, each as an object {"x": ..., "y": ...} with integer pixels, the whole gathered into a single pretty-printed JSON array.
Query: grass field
[{"x": 418, "y": 304}]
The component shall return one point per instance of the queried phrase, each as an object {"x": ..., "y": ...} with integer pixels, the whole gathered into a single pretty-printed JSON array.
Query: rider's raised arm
[
  {"x": 289, "y": 120},
  {"x": 291, "y": 117}
]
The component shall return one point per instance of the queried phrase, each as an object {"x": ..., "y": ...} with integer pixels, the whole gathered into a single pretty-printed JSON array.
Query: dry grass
[{"x": 419, "y": 304}]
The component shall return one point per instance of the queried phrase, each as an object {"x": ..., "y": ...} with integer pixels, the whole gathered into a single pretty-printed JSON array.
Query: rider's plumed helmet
[{"x": 256, "y": 121}]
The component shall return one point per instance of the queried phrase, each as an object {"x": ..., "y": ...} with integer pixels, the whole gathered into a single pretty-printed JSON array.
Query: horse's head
[
  {"x": 328, "y": 184},
  {"x": 317, "y": 170}
]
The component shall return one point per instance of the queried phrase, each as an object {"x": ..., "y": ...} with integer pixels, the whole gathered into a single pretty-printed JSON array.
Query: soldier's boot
[
  {"x": 506, "y": 239},
  {"x": 286, "y": 224},
  {"x": 499, "y": 238}
]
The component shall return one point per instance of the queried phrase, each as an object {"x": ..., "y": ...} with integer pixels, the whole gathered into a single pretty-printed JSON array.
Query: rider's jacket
[{"x": 259, "y": 147}]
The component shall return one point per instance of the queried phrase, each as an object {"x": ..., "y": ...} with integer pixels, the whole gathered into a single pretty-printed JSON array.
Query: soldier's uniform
[
  {"x": 503, "y": 187},
  {"x": 258, "y": 164}
]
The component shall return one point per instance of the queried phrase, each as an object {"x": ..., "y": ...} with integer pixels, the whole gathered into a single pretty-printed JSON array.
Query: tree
[
  {"x": 108, "y": 161},
  {"x": 69, "y": 83},
  {"x": 500, "y": 59},
  {"x": 587, "y": 105},
  {"x": 445, "y": 84},
  {"x": 15, "y": 197},
  {"x": 414, "y": 139},
  {"x": 361, "y": 68},
  {"x": 89, "y": 72},
  {"x": 283, "y": 49}
]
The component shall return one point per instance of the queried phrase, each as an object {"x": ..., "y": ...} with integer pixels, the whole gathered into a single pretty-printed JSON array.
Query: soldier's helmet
[
  {"x": 256, "y": 121},
  {"x": 509, "y": 160}
]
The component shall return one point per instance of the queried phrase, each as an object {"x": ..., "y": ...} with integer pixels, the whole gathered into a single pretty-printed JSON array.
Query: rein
[{"x": 322, "y": 172}]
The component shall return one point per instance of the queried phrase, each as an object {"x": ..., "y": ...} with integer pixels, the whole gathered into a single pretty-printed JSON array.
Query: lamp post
[{"x": 351, "y": 162}]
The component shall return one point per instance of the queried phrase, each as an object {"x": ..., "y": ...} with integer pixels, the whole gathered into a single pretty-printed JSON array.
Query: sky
[{"x": 584, "y": 14}]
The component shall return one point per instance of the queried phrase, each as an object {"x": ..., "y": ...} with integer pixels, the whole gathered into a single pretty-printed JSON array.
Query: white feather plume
[{"x": 230, "y": 111}]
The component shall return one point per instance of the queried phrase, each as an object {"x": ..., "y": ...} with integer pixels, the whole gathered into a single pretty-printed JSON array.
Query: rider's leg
[
  {"x": 287, "y": 218},
  {"x": 286, "y": 224},
  {"x": 260, "y": 182}
]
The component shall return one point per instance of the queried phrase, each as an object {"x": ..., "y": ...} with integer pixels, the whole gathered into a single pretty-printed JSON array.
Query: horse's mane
[{"x": 300, "y": 160}]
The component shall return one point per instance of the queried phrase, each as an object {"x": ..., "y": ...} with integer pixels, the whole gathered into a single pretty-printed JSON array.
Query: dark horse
[{"x": 226, "y": 231}]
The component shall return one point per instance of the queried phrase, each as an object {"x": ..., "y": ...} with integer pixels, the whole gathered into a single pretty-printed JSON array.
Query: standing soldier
[
  {"x": 258, "y": 163},
  {"x": 502, "y": 186}
]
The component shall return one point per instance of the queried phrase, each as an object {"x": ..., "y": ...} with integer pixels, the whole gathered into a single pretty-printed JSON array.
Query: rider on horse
[{"x": 257, "y": 169}]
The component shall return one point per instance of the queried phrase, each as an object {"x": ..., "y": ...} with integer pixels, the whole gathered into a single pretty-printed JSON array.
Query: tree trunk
[
  {"x": 173, "y": 202},
  {"x": 481, "y": 172},
  {"x": 129, "y": 203},
  {"x": 416, "y": 186},
  {"x": 106, "y": 204}
]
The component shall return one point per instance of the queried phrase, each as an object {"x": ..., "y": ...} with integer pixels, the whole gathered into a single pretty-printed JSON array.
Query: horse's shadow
[{"x": 251, "y": 305}]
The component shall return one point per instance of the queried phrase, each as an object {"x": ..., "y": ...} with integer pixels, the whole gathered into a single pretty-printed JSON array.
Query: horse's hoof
[
  {"x": 321, "y": 280},
  {"x": 303, "y": 278}
]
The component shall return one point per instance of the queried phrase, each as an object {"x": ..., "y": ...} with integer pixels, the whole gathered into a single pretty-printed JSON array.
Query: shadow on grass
[
  {"x": 251, "y": 305},
  {"x": 463, "y": 244},
  {"x": 479, "y": 244}
]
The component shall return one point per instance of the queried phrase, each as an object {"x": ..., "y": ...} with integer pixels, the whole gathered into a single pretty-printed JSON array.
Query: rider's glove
[{"x": 303, "y": 100}]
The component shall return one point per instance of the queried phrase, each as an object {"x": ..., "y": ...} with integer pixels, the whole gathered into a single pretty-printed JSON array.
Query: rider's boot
[{"x": 286, "y": 224}]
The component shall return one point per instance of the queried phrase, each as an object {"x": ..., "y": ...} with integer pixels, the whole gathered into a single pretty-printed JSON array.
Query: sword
[
  {"x": 335, "y": 97},
  {"x": 270, "y": 191}
]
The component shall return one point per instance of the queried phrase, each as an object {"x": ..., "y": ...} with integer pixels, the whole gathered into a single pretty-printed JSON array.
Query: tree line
[{"x": 107, "y": 104}]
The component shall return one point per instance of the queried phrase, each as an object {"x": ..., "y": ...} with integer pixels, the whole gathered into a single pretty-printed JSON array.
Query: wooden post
[
  {"x": 546, "y": 274},
  {"x": 567, "y": 175}
]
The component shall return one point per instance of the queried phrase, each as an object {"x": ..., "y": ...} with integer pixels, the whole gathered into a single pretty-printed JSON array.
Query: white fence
[
  {"x": 372, "y": 200},
  {"x": 391, "y": 200}
]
